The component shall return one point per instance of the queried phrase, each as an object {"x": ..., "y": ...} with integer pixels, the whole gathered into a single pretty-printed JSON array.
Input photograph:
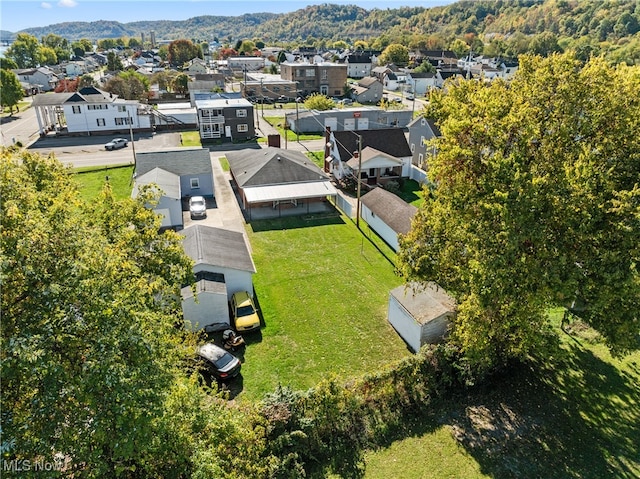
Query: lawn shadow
[
  {"x": 577, "y": 419},
  {"x": 294, "y": 222}
]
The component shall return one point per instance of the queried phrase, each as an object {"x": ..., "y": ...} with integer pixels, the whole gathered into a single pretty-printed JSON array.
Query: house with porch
[
  {"x": 43, "y": 78},
  {"x": 226, "y": 119},
  {"x": 375, "y": 167},
  {"x": 272, "y": 182},
  {"x": 90, "y": 111}
]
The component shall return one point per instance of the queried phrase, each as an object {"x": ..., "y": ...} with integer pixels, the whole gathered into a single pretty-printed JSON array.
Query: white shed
[
  {"x": 421, "y": 314},
  {"x": 387, "y": 214}
]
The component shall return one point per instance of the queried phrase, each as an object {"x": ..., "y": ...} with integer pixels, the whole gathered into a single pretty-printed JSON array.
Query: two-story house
[
  {"x": 421, "y": 131},
  {"x": 326, "y": 78},
  {"x": 227, "y": 119},
  {"x": 42, "y": 78}
]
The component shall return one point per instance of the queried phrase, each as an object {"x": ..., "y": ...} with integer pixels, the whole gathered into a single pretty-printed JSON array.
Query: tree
[
  {"x": 11, "y": 92},
  {"x": 86, "y": 80},
  {"x": 459, "y": 47},
  {"x": 182, "y": 51},
  {"x": 113, "y": 62},
  {"x": 425, "y": 67},
  {"x": 319, "y": 102},
  {"x": 535, "y": 206},
  {"x": 48, "y": 56},
  {"x": 90, "y": 352},
  {"x": 80, "y": 47},
  {"x": 59, "y": 45},
  {"x": 544, "y": 44},
  {"x": 8, "y": 64},
  {"x": 129, "y": 85},
  {"x": 25, "y": 51},
  {"x": 247, "y": 47},
  {"x": 164, "y": 79},
  {"x": 394, "y": 53},
  {"x": 180, "y": 83}
]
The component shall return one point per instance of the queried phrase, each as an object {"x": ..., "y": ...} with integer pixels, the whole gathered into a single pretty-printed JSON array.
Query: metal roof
[{"x": 289, "y": 191}]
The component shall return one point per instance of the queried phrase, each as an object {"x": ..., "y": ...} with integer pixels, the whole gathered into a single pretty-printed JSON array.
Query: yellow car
[{"x": 243, "y": 311}]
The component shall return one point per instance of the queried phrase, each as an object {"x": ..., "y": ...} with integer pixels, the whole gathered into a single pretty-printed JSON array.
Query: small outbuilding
[
  {"x": 421, "y": 314},
  {"x": 388, "y": 215}
]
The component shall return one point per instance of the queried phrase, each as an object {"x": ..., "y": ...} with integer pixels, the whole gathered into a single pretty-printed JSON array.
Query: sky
[{"x": 16, "y": 15}]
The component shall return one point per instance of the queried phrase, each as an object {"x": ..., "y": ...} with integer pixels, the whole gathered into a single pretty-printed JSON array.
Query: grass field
[
  {"x": 278, "y": 121},
  {"x": 573, "y": 415},
  {"x": 323, "y": 289},
  {"x": 91, "y": 181}
]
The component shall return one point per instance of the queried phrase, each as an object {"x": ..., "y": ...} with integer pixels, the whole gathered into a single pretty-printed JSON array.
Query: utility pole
[{"x": 359, "y": 180}]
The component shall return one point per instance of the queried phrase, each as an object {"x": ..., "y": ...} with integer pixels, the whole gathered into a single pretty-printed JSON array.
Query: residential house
[
  {"x": 388, "y": 149},
  {"x": 326, "y": 78},
  {"x": 74, "y": 69},
  {"x": 368, "y": 90},
  {"x": 276, "y": 182},
  {"x": 195, "y": 66},
  {"x": 90, "y": 111},
  {"x": 358, "y": 65},
  {"x": 222, "y": 266},
  {"x": 419, "y": 83},
  {"x": 340, "y": 119},
  {"x": 180, "y": 174},
  {"x": 42, "y": 78},
  {"x": 421, "y": 314},
  {"x": 268, "y": 90},
  {"x": 245, "y": 63},
  {"x": 421, "y": 131},
  {"x": 387, "y": 214},
  {"x": 226, "y": 119},
  {"x": 376, "y": 168},
  {"x": 437, "y": 58}
]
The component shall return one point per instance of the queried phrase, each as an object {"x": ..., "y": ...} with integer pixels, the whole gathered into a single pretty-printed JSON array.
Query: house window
[
  {"x": 243, "y": 128},
  {"x": 323, "y": 74},
  {"x": 76, "y": 109},
  {"x": 413, "y": 147},
  {"x": 195, "y": 183},
  {"x": 310, "y": 72},
  {"x": 124, "y": 121},
  {"x": 241, "y": 113},
  {"x": 420, "y": 159},
  {"x": 122, "y": 108},
  {"x": 422, "y": 141},
  {"x": 96, "y": 107},
  {"x": 100, "y": 121}
]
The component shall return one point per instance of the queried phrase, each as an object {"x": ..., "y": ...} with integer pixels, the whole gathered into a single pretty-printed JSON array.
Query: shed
[
  {"x": 421, "y": 314},
  {"x": 387, "y": 214}
]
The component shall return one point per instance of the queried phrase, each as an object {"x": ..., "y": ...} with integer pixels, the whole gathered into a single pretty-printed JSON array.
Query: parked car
[
  {"x": 410, "y": 96},
  {"x": 346, "y": 101},
  {"x": 243, "y": 311},
  {"x": 116, "y": 143},
  {"x": 197, "y": 207},
  {"x": 283, "y": 99},
  {"x": 220, "y": 363}
]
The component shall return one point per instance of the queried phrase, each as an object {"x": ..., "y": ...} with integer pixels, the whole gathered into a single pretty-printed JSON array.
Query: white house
[
  {"x": 90, "y": 110},
  {"x": 44, "y": 78},
  {"x": 169, "y": 205},
  {"x": 421, "y": 314}
]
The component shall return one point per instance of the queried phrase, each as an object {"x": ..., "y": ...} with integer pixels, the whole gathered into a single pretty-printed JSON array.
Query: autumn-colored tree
[
  {"x": 536, "y": 204},
  {"x": 394, "y": 53},
  {"x": 67, "y": 85},
  {"x": 181, "y": 51}
]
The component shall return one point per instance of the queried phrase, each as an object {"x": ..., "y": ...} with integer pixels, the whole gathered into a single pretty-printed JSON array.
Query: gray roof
[
  {"x": 185, "y": 161},
  {"x": 168, "y": 182},
  {"x": 204, "y": 286},
  {"x": 272, "y": 166},
  {"x": 430, "y": 123},
  {"x": 391, "y": 209},
  {"x": 217, "y": 247},
  {"x": 424, "y": 302},
  {"x": 391, "y": 141}
]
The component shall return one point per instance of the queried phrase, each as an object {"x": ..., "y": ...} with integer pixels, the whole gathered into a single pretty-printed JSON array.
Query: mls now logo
[{"x": 23, "y": 465}]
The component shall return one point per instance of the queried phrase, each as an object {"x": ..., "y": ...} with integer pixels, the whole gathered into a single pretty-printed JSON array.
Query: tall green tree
[
  {"x": 129, "y": 85},
  {"x": 113, "y": 62},
  {"x": 90, "y": 352},
  {"x": 11, "y": 92},
  {"x": 180, "y": 83},
  {"x": 536, "y": 204},
  {"x": 394, "y": 53},
  {"x": 25, "y": 51},
  {"x": 80, "y": 47},
  {"x": 48, "y": 56}
]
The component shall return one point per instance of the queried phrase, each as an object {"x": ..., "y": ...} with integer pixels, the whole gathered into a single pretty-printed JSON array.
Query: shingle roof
[
  {"x": 217, "y": 247},
  {"x": 185, "y": 161},
  {"x": 168, "y": 182},
  {"x": 272, "y": 166},
  {"x": 391, "y": 141},
  {"x": 391, "y": 209}
]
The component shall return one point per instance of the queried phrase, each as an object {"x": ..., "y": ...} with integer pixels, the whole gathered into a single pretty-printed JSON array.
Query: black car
[{"x": 220, "y": 363}]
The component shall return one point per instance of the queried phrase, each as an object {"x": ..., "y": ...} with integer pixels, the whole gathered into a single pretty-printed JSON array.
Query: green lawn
[
  {"x": 573, "y": 415},
  {"x": 278, "y": 123},
  {"x": 190, "y": 138},
  {"x": 22, "y": 105},
  {"x": 91, "y": 181},
  {"x": 323, "y": 290}
]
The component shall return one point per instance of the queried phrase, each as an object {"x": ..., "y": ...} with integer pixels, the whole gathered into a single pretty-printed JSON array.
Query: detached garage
[{"x": 421, "y": 314}]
